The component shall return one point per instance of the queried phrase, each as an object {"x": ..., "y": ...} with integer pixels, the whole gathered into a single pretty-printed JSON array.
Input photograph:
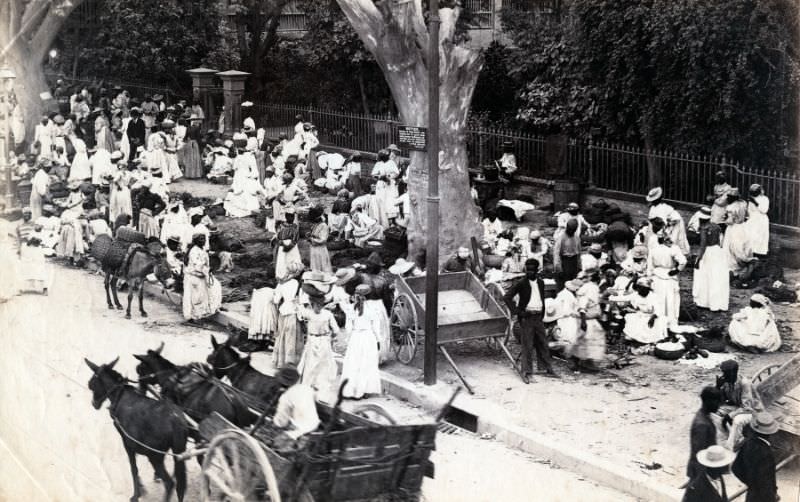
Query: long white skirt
[
  {"x": 360, "y": 366},
  {"x": 284, "y": 259},
  {"x": 35, "y": 274},
  {"x": 756, "y": 330},
  {"x": 737, "y": 246},
  {"x": 376, "y": 308},
  {"x": 592, "y": 345},
  {"x": 199, "y": 299},
  {"x": 668, "y": 298},
  {"x": 758, "y": 229},
  {"x": 263, "y": 313},
  {"x": 636, "y": 328},
  {"x": 711, "y": 284},
  {"x": 317, "y": 367}
]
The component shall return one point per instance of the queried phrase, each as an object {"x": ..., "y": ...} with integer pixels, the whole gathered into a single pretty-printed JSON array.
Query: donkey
[
  {"x": 147, "y": 427},
  {"x": 194, "y": 390},
  {"x": 227, "y": 362},
  {"x": 140, "y": 263}
]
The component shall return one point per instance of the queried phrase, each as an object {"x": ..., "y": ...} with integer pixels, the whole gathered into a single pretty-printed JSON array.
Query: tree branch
[
  {"x": 49, "y": 28},
  {"x": 365, "y": 18}
]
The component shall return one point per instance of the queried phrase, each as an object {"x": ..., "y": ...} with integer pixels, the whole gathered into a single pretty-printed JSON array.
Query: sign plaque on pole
[{"x": 413, "y": 138}]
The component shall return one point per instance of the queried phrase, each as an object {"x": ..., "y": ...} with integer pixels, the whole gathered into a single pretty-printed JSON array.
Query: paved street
[{"x": 55, "y": 446}]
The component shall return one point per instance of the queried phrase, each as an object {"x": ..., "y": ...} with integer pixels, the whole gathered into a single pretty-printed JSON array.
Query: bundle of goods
[
  {"x": 130, "y": 235},
  {"x": 110, "y": 253}
]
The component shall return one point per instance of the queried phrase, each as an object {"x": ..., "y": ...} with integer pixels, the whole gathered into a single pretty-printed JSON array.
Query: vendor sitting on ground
[
  {"x": 642, "y": 323},
  {"x": 364, "y": 227},
  {"x": 492, "y": 228},
  {"x": 297, "y": 408},
  {"x": 572, "y": 212},
  {"x": 753, "y": 328},
  {"x": 463, "y": 261},
  {"x": 740, "y": 401},
  {"x": 595, "y": 258},
  {"x": 514, "y": 263},
  {"x": 563, "y": 310}
]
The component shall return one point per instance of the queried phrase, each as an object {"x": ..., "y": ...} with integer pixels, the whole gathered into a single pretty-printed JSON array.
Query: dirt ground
[{"x": 638, "y": 416}]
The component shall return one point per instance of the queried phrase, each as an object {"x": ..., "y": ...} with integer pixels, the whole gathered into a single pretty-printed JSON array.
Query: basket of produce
[
  {"x": 670, "y": 351},
  {"x": 100, "y": 247},
  {"x": 493, "y": 260}
]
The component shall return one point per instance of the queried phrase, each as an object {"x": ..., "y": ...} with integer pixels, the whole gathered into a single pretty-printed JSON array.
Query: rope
[{"x": 125, "y": 433}]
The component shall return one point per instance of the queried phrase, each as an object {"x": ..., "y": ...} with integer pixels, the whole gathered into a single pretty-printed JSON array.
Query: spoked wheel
[
  {"x": 497, "y": 292},
  {"x": 405, "y": 328},
  {"x": 236, "y": 469},
  {"x": 375, "y": 413}
]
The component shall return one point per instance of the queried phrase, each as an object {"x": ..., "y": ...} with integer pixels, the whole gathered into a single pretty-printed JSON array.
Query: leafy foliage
[
  {"x": 149, "y": 40},
  {"x": 704, "y": 77}
]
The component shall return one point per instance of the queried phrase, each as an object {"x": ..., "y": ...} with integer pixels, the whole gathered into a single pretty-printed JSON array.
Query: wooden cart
[
  {"x": 467, "y": 311},
  {"x": 351, "y": 459},
  {"x": 778, "y": 386}
]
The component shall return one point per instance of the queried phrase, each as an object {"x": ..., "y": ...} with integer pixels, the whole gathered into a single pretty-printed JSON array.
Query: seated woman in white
[
  {"x": 242, "y": 200},
  {"x": 753, "y": 328},
  {"x": 642, "y": 324}
]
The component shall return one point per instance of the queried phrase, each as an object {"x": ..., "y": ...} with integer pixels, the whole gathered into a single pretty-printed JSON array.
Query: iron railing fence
[{"x": 686, "y": 178}]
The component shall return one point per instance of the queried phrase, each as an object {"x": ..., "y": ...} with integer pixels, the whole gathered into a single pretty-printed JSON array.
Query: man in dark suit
[
  {"x": 703, "y": 433},
  {"x": 755, "y": 464},
  {"x": 136, "y": 131},
  {"x": 530, "y": 311},
  {"x": 709, "y": 485}
]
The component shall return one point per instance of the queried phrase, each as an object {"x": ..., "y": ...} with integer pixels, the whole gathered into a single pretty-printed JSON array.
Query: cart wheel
[
  {"x": 405, "y": 328},
  {"x": 237, "y": 469},
  {"x": 497, "y": 292},
  {"x": 375, "y": 413},
  {"x": 764, "y": 372}
]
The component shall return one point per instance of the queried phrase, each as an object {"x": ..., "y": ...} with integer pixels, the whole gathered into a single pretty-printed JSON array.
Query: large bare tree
[
  {"x": 27, "y": 30},
  {"x": 394, "y": 31}
]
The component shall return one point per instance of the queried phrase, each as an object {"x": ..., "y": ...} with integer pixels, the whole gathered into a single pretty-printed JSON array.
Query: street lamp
[{"x": 7, "y": 77}]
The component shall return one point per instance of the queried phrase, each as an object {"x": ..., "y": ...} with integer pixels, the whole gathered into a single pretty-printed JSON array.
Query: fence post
[{"x": 590, "y": 176}]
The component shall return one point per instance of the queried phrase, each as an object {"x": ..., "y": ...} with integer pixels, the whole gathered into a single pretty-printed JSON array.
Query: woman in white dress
[
  {"x": 758, "y": 221},
  {"x": 737, "y": 242},
  {"x": 563, "y": 310},
  {"x": 665, "y": 261},
  {"x": 120, "y": 197},
  {"x": 173, "y": 171},
  {"x": 589, "y": 348},
  {"x": 360, "y": 366},
  {"x": 81, "y": 169},
  {"x": 289, "y": 340},
  {"x": 202, "y": 293},
  {"x": 753, "y": 328},
  {"x": 711, "y": 282},
  {"x": 381, "y": 174},
  {"x": 317, "y": 366},
  {"x": 642, "y": 323}
]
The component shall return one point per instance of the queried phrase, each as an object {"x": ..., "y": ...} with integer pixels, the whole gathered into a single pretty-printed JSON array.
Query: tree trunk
[
  {"x": 396, "y": 35},
  {"x": 30, "y": 82},
  {"x": 362, "y": 88}
]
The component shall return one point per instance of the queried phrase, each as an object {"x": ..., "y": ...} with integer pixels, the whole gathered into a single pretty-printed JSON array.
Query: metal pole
[{"x": 432, "y": 253}]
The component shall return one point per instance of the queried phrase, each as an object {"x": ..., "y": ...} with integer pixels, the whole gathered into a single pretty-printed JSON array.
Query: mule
[
  {"x": 227, "y": 362},
  {"x": 193, "y": 389},
  {"x": 148, "y": 427},
  {"x": 141, "y": 262}
]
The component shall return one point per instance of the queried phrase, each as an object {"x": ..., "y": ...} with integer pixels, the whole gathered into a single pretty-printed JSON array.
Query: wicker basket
[
  {"x": 115, "y": 255},
  {"x": 131, "y": 236},
  {"x": 493, "y": 260},
  {"x": 100, "y": 247},
  {"x": 669, "y": 355}
]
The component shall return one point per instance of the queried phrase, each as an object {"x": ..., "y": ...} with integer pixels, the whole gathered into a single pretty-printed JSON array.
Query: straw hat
[
  {"x": 116, "y": 156},
  {"x": 715, "y": 456},
  {"x": 363, "y": 289},
  {"x": 654, "y": 194},
  {"x": 319, "y": 277},
  {"x": 705, "y": 213},
  {"x": 393, "y": 148},
  {"x": 247, "y": 103},
  {"x": 760, "y": 299},
  {"x": 401, "y": 266},
  {"x": 755, "y": 187},
  {"x": 596, "y": 246},
  {"x": 573, "y": 205},
  {"x": 344, "y": 275},
  {"x": 764, "y": 423},
  {"x": 573, "y": 285},
  {"x": 639, "y": 252},
  {"x": 644, "y": 282}
]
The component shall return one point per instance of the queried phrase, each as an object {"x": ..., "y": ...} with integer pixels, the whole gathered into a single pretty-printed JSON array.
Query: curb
[{"x": 487, "y": 418}]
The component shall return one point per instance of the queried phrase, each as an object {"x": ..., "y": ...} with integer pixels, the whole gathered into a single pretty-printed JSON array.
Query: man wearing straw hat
[
  {"x": 709, "y": 485},
  {"x": 755, "y": 463}
]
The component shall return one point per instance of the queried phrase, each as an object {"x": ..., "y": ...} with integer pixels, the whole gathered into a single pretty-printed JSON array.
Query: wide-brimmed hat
[
  {"x": 654, "y": 194},
  {"x": 116, "y": 156},
  {"x": 764, "y": 422},
  {"x": 596, "y": 246},
  {"x": 644, "y": 282},
  {"x": 74, "y": 184},
  {"x": 639, "y": 252},
  {"x": 315, "y": 290},
  {"x": 573, "y": 285},
  {"x": 715, "y": 456},
  {"x": 319, "y": 277},
  {"x": 393, "y": 148},
  {"x": 573, "y": 205},
  {"x": 734, "y": 191},
  {"x": 167, "y": 123},
  {"x": 401, "y": 266},
  {"x": 157, "y": 97},
  {"x": 755, "y": 187},
  {"x": 247, "y": 103},
  {"x": 705, "y": 213},
  {"x": 58, "y": 119},
  {"x": 760, "y": 299},
  {"x": 344, "y": 275}
]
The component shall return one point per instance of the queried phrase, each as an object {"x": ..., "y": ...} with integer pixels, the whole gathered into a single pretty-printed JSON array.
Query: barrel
[{"x": 564, "y": 192}]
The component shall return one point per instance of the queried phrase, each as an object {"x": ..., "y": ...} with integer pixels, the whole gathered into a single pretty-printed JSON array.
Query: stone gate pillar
[
  {"x": 233, "y": 90},
  {"x": 202, "y": 83}
]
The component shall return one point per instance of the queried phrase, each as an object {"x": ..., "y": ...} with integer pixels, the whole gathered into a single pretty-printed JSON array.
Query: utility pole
[{"x": 432, "y": 253}]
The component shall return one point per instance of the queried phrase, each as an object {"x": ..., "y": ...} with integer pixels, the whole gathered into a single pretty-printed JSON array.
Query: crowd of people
[{"x": 106, "y": 161}]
